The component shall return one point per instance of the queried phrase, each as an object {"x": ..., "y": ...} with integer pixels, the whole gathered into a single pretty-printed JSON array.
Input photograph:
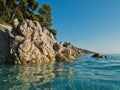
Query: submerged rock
[{"x": 28, "y": 42}]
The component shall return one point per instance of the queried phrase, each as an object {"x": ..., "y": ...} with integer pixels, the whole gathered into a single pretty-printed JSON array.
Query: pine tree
[
  {"x": 45, "y": 16},
  {"x": 24, "y": 9}
]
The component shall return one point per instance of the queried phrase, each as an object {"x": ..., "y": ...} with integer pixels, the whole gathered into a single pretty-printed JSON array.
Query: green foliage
[
  {"x": 24, "y": 9},
  {"x": 2, "y": 21},
  {"x": 87, "y": 51},
  {"x": 54, "y": 32},
  {"x": 33, "y": 4},
  {"x": 19, "y": 15},
  {"x": 45, "y": 16}
]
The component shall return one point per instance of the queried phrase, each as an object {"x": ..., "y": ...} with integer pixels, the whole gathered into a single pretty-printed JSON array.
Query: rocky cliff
[{"x": 28, "y": 42}]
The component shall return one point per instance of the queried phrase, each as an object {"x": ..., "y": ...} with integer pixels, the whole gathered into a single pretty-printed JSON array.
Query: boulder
[
  {"x": 97, "y": 55},
  {"x": 58, "y": 47},
  {"x": 66, "y": 51}
]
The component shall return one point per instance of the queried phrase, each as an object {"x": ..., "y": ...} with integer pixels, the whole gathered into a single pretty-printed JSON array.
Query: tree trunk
[{"x": 13, "y": 15}]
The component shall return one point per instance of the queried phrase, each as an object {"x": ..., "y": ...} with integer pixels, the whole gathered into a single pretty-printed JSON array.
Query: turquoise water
[{"x": 85, "y": 73}]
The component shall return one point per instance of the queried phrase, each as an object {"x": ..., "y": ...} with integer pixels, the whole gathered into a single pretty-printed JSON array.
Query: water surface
[{"x": 84, "y": 73}]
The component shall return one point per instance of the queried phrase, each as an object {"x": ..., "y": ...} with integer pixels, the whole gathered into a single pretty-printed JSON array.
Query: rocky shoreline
[{"x": 28, "y": 42}]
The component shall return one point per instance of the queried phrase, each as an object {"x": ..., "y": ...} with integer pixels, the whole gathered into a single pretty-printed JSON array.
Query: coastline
[{"x": 28, "y": 42}]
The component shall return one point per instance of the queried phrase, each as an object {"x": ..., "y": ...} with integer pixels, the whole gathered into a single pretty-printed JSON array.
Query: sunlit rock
[{"x": 28, "y": 42}]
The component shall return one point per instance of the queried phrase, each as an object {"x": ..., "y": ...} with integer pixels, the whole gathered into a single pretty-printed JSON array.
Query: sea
[{"x": 84, "y": 73}]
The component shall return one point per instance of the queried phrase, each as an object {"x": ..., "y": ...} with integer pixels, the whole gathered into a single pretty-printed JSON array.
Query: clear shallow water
[{"x": 85, "y": 73}]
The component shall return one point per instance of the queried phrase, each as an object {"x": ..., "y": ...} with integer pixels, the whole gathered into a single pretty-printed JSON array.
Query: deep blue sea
[{"x": 84, "y": 73}]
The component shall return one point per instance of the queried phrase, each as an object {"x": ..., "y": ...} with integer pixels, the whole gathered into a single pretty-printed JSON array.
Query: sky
[{"x": 89, "y": 24}]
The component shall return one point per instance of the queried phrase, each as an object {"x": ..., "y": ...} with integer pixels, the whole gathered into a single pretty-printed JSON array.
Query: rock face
[
  {"x": 97, "y": 55},
  {"x": 66, "y": 51},
  {"x": 28, "y": 42},
  {"x": 4, "y": 42}
]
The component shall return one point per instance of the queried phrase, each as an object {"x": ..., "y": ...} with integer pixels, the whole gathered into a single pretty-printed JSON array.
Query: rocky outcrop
[
  {"x": 66, "y": 51},
  {"x": 31, "y": 43},
  {"x": 28, "y": 42},
  {"x": 97, "y": 55}
]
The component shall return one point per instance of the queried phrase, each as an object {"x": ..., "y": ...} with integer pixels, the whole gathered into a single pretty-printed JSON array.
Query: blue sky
[{"x": 88, "y": 24}]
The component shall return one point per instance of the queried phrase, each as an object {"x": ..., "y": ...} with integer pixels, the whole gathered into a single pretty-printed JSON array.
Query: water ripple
[{"x": 85, "y": 73}]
